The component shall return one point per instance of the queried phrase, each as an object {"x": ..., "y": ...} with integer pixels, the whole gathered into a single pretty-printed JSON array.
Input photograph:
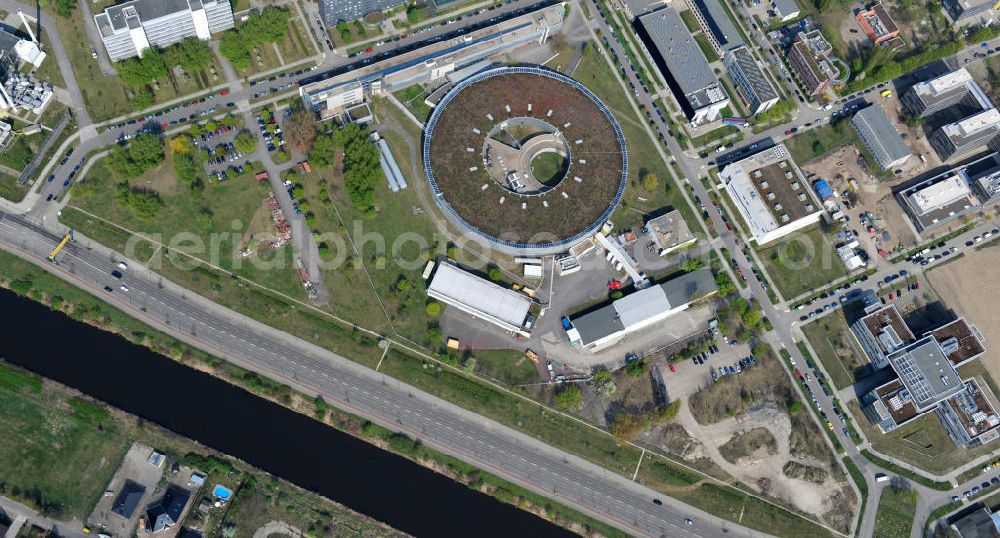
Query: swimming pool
[{"x": 222, "y": 492}]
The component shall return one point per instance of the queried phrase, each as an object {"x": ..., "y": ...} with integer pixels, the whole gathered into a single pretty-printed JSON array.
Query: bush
[
  {"x": 569, "y": 398},
  {"x": 434, "y": 308},
  {"x": 495, "y": 274},
  {"x": 650, "y": 183},
  {"x": 245, "y": 143}
]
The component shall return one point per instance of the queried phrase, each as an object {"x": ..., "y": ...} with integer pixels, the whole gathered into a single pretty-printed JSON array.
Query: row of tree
[
  {"x": 362, "y": 171},
  {"x": 266, "y": 26},
  {"x": 191, "y": 54}
]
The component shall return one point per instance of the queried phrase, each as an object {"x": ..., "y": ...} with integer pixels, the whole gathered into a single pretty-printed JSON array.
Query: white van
[{"x": 881, "y": 477}]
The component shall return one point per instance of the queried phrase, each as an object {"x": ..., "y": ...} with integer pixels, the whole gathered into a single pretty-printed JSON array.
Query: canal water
[{"x": 196, "y": 405}]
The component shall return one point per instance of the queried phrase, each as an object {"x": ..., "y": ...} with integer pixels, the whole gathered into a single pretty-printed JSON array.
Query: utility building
[
  {"x": 481, "y": 298},
  {"x": 130, "y": 28}
]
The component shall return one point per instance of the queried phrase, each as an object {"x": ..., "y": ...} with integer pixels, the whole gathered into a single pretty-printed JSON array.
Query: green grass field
[
  {"x": 595, "y": 73},
  {"x": 413, "y": 97},
  {"x": 55, "y": 461},
  {"x": 10, "y": 189},
  {"x": 801, "y": 262},
  {"x": 831, "y": 339},
  {"x": 896, "y": 510}
]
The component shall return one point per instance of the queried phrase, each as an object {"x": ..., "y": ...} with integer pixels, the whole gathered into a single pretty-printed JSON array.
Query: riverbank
[
  {"x": 28, "y": 280},
  {"x": 61, "y": 449}
]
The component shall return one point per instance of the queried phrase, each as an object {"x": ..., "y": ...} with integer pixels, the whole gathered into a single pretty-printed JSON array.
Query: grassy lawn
[
  {"x": 296, "y": 45},
  {"x": 10, "y": 190},
  {"x": 413, "y": 97},
  {"x": 506, "y": 366},
  {"x": 834, "y": 345},
  {"x": 896, "y": 510},
  {"x": 714, "y": 134},
  {"x": 55, "y": 460},
  {"x": 595, "y": 73},
  {"x": 802, "y": 261},
  {"x": 690, "y": 21},
  {"x": 548, "y": 167},
  {"x": 706, "y": 48}
]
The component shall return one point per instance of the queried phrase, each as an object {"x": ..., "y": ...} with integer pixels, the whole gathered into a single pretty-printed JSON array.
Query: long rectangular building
[
  {"x": 682, "y": 64},
  {"x": 638, "y": 310},
  {"x": 809, "y": 57},
  {"x": 953, "y": 89},
  {"x": 718, "y": 27},
  {"x": 335, "y": 91},
  {"x": 880, "y": 137},
  {"x": 947, "y": 196},
  {"x": 334, "y": 11},
  {"x": 975, "y": 133},
  {"x": 750, "y": 80},
  {"x": 481, "y": 298},
  {"x": 130, "y": 28}
]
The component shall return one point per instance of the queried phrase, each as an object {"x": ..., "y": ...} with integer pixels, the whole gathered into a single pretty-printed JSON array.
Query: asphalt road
[{"x": 485, "y": 443}]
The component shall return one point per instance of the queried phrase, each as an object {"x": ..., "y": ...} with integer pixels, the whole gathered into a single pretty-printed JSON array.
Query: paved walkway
[{"x": 28, "y": 516}]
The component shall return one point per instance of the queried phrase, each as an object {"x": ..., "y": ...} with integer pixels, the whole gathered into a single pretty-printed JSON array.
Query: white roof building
[
  {"x": 480, "y": 298},
  {"x": 940, "y": 194}
]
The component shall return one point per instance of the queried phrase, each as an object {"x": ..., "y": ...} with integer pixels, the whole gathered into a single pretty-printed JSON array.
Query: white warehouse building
[
  {"x": 481, "y": 298},
  {"x": 130, "y": 28}
]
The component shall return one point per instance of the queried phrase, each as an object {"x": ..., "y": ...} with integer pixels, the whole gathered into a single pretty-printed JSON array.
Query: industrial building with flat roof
[
  {"x": 877, "y": 24},
  {"x": 718, "y": 28},
  {"x": 809, "y": 58},
  {"x": 130, "y": 28},
  {"x": 669, "y": 232},
  {"x": 974, "y": 133},
  {"x": 946, "y": 196},
  {"x": 334, "y": 11},
  {"x": 331, "y": 96},
  {"x": 953, "y": 89},
  {"x": 880, "y": 136},
  {"x": 771, "y": 194},
  {"x": 638, "y": 310},
  {"x": 750, "y": 81},
  {"x": 481, "y": 298},
  {"x": 682, "y": 64}
]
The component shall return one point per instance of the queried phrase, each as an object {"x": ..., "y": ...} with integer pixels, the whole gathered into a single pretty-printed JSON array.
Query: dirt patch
[
  {"x": 809, "y": 473},
  {"x": 260, "y": 223},
  {"x": 962, "y": 286},
  {"x": 160, "y": 179},
  {"x": 749, "y": 445},
  {"x": 677, "y": 442}
]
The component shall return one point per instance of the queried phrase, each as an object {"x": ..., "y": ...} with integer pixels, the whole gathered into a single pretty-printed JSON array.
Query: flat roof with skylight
[
  {"x": 771, "y": 193},
  {"x": 926, "y": 372}
]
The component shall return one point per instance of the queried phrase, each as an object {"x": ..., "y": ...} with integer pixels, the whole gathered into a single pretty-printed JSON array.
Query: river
[{"x": 231, "y": 420}]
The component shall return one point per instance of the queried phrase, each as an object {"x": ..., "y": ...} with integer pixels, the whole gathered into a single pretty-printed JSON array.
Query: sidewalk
[{"x": 28, "y": 516}]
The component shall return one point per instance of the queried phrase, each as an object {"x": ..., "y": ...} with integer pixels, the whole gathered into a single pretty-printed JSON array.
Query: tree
[
  {"x": 650, "y": 183},
  {"x": 569, "y": 398},
  {"x": 144, "y": 152},
  {"x": 245, "y": 143},
  {"x": 137, "y": 72},
  {"x": 691, "y": 265},
  {"x": 434, "y": 308},
  {"x": 495, "y": 274},
  {"x": 191, "y": 54},
  {"x": 181, "y": 144},
  {"x": 323, "y": 151},
  {"x": 234, "y": 49},
  {"x": 187, "y": 168},
  {"x": 64, "y": 8}
]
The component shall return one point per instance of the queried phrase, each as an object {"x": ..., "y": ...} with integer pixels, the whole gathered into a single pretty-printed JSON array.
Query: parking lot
[{"x": 221, "y": 157}]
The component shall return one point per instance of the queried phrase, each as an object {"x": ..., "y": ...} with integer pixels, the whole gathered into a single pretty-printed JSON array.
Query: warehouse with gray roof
[
  {"x": 608, "y": 324},
  {"x": 880, "y": 137},
  {"x": 481, "y": 298},
  {"x": 682, "y": 64}
]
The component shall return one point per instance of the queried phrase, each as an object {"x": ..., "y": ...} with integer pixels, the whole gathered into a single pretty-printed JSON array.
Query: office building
[
  {"x": 880, "y": 137},
  {"x": 334, "y": 11},
  {"x": 878, "y": 24},
  {"x": 716, "y": 25},
  {"x": 974, "y": 133},
  {"x": 955, "y": 192},
  {"x": 751, "y": 83},
  {"x": 881, "y": 333},
  {"x": 641, "y": 309},
  {"x": 771, "y": 194},
  {"x": 634, "y": 8},
  {"x": 955, "y": 89},
  {"x": 682, "y": 65},
  {"x": 809, "y": 57},
  {"x": 130, "y": 28}
]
